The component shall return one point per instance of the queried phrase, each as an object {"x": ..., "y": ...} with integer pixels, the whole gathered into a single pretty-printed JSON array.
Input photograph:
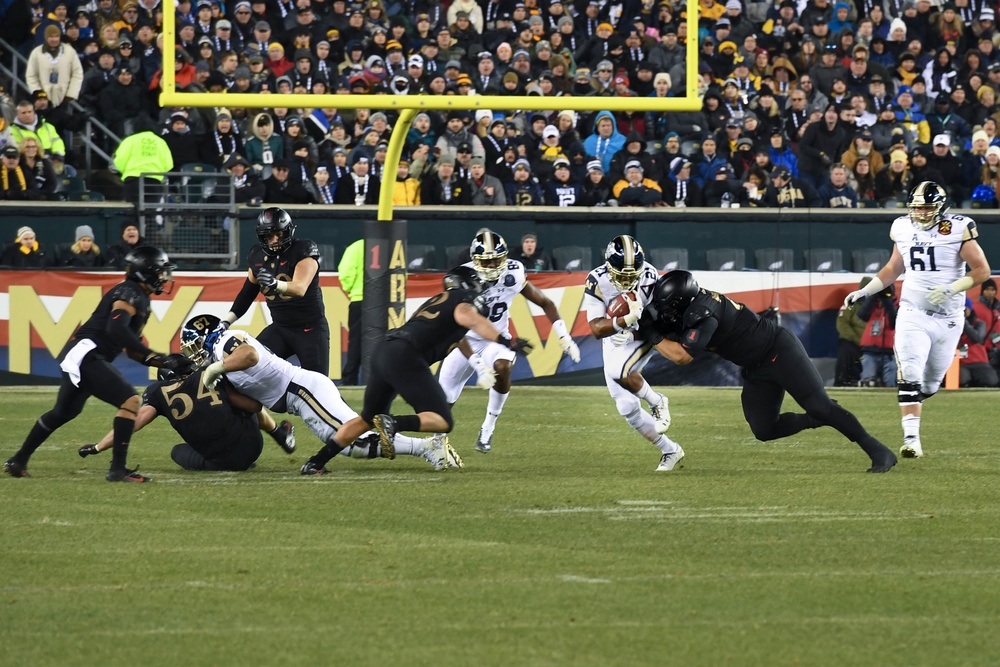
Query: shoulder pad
[
  {"x": 306, "y": 248},
  {"x": 231, "y": 341},
  {"x": 256, "y": 254},
  {"x": 130, "y": 293},
  {"x": 695, "y": 313}
]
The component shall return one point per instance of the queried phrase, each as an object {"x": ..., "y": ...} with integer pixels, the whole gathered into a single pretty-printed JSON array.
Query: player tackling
[{"x": 931, "y": 248}]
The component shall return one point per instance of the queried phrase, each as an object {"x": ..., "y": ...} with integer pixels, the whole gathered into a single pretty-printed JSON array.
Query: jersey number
[
  {"x": 180, "y": 403},
  {"x": 917, "y": 254},
  {"x": 497, "y": 311}
]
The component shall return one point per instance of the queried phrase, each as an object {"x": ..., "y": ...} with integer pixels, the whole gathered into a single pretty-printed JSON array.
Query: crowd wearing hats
[{"x": 804, "y": 87}]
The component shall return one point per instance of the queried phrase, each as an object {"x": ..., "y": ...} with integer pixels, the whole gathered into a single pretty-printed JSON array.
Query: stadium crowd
[{"x": 805, "y": 102}]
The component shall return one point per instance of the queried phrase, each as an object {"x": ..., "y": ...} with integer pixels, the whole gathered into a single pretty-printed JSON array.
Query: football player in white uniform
[
  {"x": 492, "y": 362},
  {"x": 931, "y": 251},
  {"x": 281, "y": 387},
  {"x": 625, "y": 350}
]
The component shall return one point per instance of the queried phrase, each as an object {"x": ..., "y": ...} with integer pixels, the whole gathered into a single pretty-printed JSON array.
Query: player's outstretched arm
[
  {"x": 470, "y": 318},
  {"x": 566, "y": 342},
  {"x": 886, "y": 276},
  {"x": 242, "y": 358},
  {"x": 674, "y": 351},
  {"x": 147, "y": 413}
]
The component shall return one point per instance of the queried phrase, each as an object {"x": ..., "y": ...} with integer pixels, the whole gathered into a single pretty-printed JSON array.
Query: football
[{"x": 619, "y": 307}]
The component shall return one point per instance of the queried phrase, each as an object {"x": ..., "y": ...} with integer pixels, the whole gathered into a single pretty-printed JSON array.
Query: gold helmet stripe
[{"x": 629, "y": 251}]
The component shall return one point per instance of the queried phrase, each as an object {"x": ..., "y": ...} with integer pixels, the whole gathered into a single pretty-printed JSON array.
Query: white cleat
[
  {"x": 435, "y": 452},
  {"x": 670, "y": 460},
  {"x": 661, "y": 414},
  {"x": 454, "y": 460},
  {"x": 911, "y": 448}
]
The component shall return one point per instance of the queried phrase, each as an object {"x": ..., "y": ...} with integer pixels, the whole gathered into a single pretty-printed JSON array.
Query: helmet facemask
[
  {"x": 926, "y": 204},
  {"x": 624, "y": 260},
  {"x": 924, "y": 216},
  {"x": 489, "y": 256},
  {"x": 198, "y": 338}
]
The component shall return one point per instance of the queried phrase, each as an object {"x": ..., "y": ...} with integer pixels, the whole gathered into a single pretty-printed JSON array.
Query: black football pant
[
  {"x": 310, "y": 344},
  {"x": 787, "y": 368},
  {"x": 398, "y": 368}
]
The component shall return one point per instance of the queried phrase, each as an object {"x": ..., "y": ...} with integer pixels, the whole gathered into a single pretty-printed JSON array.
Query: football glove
[
  {"x": 623, "y": 337},
  {"x": 570, "y": 347},
  {"x": 213, "y": 373},
  {"x": 177, "y": 363},
  {"x": 854, "y": 297},
  {"x": 634, "y": 313},
  {"x": 939, "y": 294},
  {"x": 519, "y": 345},
  {"x": 267, "y": 283},
  {"x": 486, "y": 377}
]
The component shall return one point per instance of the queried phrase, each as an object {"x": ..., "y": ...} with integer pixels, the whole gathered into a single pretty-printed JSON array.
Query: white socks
[
  {"x": 493, "y": 410},
  {"x": 647, "y": 394},
  {"x": 911, "y": 426}
]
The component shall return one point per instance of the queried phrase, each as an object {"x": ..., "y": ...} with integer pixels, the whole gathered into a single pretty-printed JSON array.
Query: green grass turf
[{"x": 561, "y": 547}]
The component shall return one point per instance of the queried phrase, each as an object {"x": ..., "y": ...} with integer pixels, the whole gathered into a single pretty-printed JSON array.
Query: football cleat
[
  {"x": 435, "y": 453},
  {"x": 484, "y": 445},
  {"x": 87, "y": 450},
  {"x": 670, "y": 460},
  {"x": 310, "y": 467},
  {"x": 125, "y": 475},
  {"x": 661, "y": 414},
  {"x": 15, "y": 469},
  {"x": 911, "y": 448},
  {"x": 386, "y": 427},
  {"x": 883, "y": 462},
  {"x": 454, "y": 460},
  {"x": 284, "y": 435}
]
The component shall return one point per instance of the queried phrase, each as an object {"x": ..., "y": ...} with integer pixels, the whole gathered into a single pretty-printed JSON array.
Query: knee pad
[
  {"x": 909, "y": 393},
  {"x": 627, "y": 404}
]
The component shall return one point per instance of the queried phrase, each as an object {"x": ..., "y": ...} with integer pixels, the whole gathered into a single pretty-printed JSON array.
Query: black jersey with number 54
[
  {"x": 290, "y": 311},
  {"x": 433, "y": 329},
  {"x": 205, "y": 418}
]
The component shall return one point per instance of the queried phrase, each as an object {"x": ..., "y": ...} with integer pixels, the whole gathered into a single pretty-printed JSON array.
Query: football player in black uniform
[
  {"x": 286, "y": 272},
  {"x": 401, "y": 364},
  {"x": 221, "y": 427},
  {"x": 86, "y": 366},
  {"x": 772, "y": 362}
]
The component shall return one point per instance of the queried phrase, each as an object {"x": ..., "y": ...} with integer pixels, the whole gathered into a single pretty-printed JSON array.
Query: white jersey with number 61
[{"x": 931, "y": 258}]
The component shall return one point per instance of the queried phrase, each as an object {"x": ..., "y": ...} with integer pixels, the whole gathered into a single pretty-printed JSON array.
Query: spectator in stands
[
  {"x": 358, "y": 187},
  {"x": 862, "y": 179},
  {"x": 780, "y": 153},
  {"x": 634, "y": 189},
  {"x": 445, "y": 187},
  {"x": 485, "y": 189},
  {"x": 724, "y": 190},
  {"x": 837, "y": 192},
  {"x": 974, "y": 366},
  {"x": 264, "y": 147},
  {"x": 596, "y": 187},
  {"x": 16, "y": 182},
  {"x": 98, "y": 76},
  {"x": 142, "y": 153},
  {"x": 785, "y": 191},
  {"x": 123, "y": 104},
  {"x": 822, "y": 144},
  {"x": 184, "y": 145},
  {"x": 679, "y": 188},
  {"x": 54, "y": 68},
  {"x": 532, "y": 255},
  {"x": 33, "y": 160},
  {"x": 561, "y": 189},
  {"x": 523, "y": 189},
  {"x": 222, "y": 142},
  {"x": 29, "y": 124},
  {"x": 84, "y": 253},
  {"x": 249, "y": 187},
  {"x": 407, "y": 189},
  {"x": 25, "y": 252},
  {"x": 949, "y": 165},
  {"x": 606, "y": 140},
  {"x": 279, "y": 188},
  {"x": 862, "y": 146},
  {"x": 707, "y": 162},
  {"x": 920, "y": 168}
]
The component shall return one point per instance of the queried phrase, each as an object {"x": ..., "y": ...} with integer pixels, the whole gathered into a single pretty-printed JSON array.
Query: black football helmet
[
  {"x": 151, "y": 268},
  {"x": 198, "y": 335},
  {"x": 272, "y": 221},
  {"x": 463, "y": 277},
  {"x": 624, "y": 258},
  {"x": 926, "y": 203},
  {"x": 672, "y": 294},
  {"x": 489, "y": 255}
]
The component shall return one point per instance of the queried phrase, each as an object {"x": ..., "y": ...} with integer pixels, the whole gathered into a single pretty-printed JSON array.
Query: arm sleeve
[
  {"x": 244, "y": 299},
  {"x": 698, "y": 336},
  {"x": 124, "y": 337}
]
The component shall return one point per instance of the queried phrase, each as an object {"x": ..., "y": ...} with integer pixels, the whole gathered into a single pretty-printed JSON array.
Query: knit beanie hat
[
  {"x": 84, "y": 231},
  {"x": 24, "y": 230}
]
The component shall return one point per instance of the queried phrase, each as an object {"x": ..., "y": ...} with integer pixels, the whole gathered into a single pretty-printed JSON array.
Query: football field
[{"x": 560, "y": 547}]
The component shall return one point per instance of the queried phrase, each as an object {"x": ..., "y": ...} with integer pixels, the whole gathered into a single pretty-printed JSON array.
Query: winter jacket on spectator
[
  {"x": 791, "y": 193},
  {"x": 222, "y": 142},
  {"x": 123, "y": 104},
  {"x": 681, "y": 192},
  {"x": 264, "y": 147},
  {"x": 596, "y": 193},
  {"x": 487, "y": 191},
  {"x": 524, "y": 193},
  {"x": 285, "y": 191},
  {"x": 561, "y": 193},
  {"x": 17, "y": 183},
  {"x": 687, "y": 124},
  {"x": 56, "y": 71},
  {"x": 18, "y": 256},
  {"x": 706, "y": 165},
  {"x": 606, "y": 139},
  {"x": 833, "y": 197},
  {"x": 444, "y": 189},
  {"x": 94, "y": 81},
  {"x": 822, "y": 144},
  {"x": 634, "y": 149}
]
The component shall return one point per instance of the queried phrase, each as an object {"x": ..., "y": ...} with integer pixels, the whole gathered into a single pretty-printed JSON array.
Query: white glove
[
  {"x": 566, "y": 341},
  {"x": 570, "y": 347},
  {"x": 486, "y": 377},
  {"x": 213, "y": 373},
  {"x": 940, "y": 294},
  {"x": 854, "y": 297},
  {"x": 623, "y": 337},
  {"x": 634, "y": 313}
]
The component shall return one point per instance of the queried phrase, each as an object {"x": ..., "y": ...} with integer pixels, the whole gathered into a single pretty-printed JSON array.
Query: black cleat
[
  {"x": 883, "y": 462},
  {"x": 15, "y": 469},
  {"x": 87, "y": 450},
  {"x": 284, "y": 435},
  {"x": 125, "y": 475},
  {"x": 310, "y": 467},
  {"x": 386, "y": 427}
]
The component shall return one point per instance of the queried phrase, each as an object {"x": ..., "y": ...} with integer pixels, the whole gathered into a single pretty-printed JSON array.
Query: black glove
[
  {"x": 87, "y": 450},
  {"x": 519, "y": 345},
  {"x": 177, "y": 363},
  {"x": 267, "y": 283},
  {"x": 827, "y": 161}
]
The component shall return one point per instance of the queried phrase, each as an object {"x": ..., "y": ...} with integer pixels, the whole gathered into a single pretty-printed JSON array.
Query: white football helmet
[
  {"x": 926, "y": 203},
  {"x": 489, "y": 255}
]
